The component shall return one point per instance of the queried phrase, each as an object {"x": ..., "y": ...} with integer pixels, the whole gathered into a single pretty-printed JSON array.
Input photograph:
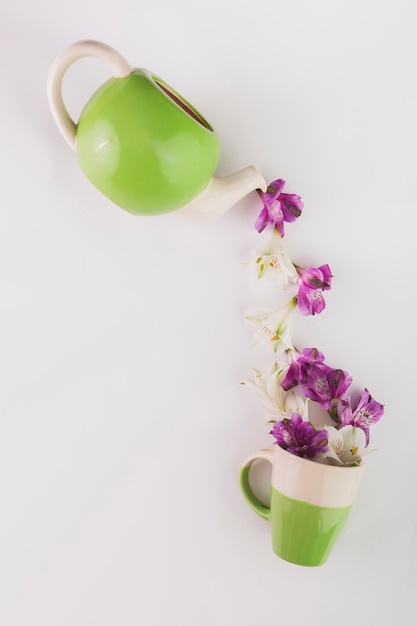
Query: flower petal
[
  {"x": 273, "y": 191},
  {"x": 262, "y": 220},
  {"x": 292, "y": 377},
  {"x": 311, "y": 355},
  {"x": 327, "y": 276},
  {"x": 304, "y": 304},
  {"x": 292, "y": 206},
  {"x": 311, "y": 277}
]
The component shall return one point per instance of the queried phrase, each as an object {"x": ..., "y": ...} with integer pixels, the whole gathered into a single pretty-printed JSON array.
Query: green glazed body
[
  {"x": 304, "y": 533},
  {"x": 143, "y": 146}
]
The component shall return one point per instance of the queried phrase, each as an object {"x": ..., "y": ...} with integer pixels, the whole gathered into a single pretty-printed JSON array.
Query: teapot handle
[{"x": 86, "y": 48}]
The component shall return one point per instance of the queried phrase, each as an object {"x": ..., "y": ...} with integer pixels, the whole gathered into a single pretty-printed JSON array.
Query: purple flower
[
  {"x": 318, "y": 381},
  {"x": 278, "y": 207},
  {"x": 297, "y": 372},
  {"x": 312, "y": 282},
  {"x": 325, "y": 386},
  {"x": 366, "y": 413},
  {"x": 299, "y": 437}
]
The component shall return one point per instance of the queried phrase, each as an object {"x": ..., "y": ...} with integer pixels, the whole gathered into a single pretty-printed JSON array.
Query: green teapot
[{"x": 143, "y": 145}]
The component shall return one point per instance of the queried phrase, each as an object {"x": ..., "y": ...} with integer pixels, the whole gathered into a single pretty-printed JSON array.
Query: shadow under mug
[{"x": 309, "y": 504}]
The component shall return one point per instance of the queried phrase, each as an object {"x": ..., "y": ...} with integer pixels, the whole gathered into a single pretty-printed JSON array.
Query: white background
[{"x": 123, "y": 343}]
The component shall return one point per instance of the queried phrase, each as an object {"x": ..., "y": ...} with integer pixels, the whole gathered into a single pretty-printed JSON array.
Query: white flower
[
  {"x": 346, "y": 446},
  {"x": 278, "y": 402},
  {"x": 274, "y": 326},
  {"x": 274, "y": 262}
]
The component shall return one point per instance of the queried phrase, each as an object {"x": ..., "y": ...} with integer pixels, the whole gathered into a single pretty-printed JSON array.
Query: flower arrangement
[{"x": 301, "y": 376}]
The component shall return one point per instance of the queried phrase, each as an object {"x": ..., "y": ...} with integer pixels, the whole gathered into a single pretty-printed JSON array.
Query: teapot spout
[{"x": 221, "y": 194}]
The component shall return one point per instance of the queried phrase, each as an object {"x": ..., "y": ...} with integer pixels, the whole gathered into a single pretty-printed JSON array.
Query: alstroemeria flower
[
  {"x": 297, "y": 372},
  {"x": 274, "y": 262},
  {"x": 366, "y": 412},
  {"x": 277, "y": 401},
  {"x": 278, "y": 207},
  {"x": 318, "y": 381},
  {"x": 345, "y": 446},
  {"x": 299, "y": 437},
  {"x": 326, "y": 388},
  {"x": 274, "y": 326},
  {"x": 312, "y": 282}
]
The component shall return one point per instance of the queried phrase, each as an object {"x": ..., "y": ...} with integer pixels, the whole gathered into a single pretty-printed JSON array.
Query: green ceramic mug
[{"x": 309, "y": 504}]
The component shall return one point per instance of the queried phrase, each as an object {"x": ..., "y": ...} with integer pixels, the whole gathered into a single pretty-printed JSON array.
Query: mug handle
[
  {"x": 86, "y": 48},
  {"x": 251, "y": 499}
]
